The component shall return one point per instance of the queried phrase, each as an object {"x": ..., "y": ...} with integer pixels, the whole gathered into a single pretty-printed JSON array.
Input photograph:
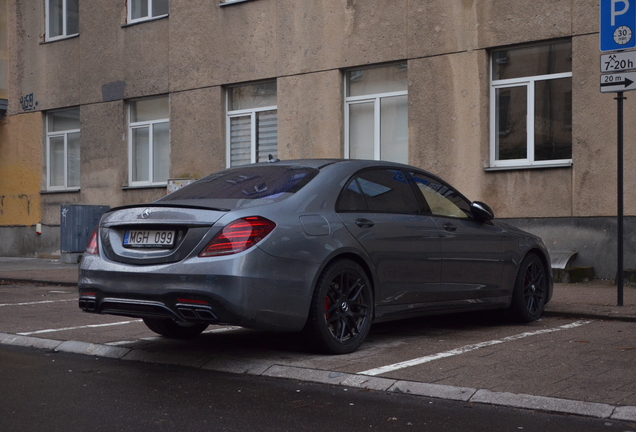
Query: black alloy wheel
[
  {"x": 341, "y": 309},
  {"x": 531, "y": 287}
]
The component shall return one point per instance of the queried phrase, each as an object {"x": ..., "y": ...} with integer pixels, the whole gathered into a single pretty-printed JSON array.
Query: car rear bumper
[{"x": 276, "y": 295}]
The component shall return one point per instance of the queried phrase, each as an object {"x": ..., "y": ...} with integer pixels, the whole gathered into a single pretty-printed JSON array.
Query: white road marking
[
  {"x": 37, "y": 302},
  {"x": 78, "y": 327},
  {"x": 465, "y": 349}
]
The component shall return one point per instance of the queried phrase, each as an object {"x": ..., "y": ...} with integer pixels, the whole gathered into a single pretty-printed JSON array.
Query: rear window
[{"x": 246, "y": 186}]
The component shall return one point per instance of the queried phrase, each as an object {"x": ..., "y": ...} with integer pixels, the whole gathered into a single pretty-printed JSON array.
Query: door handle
[
  {"x": 449, "y": 226},
  {"x": 364, "y": 223}
]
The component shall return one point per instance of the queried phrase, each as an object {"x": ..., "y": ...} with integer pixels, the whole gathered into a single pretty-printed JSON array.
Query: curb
[
  {"x": 588, "y": 315},
  {"x": 37, "y": 281},
  {"x": 464, "y": 394}
]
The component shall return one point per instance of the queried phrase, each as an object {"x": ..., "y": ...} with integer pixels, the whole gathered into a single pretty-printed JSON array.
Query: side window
[
  {"x": 442, "y": 199},
  {"x": 252, "y": 123},
  {"x": 381, "y": 191},
  {"x": 376, "y": 113},
  {"x": 62, "y": 19},
  {"x": 63, "y": 150},
  {"x": 531, "y": 105},
  {"x": 351, "y": 198},
  {"x": 144, "y": 10},
  {"x": 149, "y": 141}
]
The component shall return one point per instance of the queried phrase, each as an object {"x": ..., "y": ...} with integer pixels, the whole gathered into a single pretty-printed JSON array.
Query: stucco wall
[
  {"x": 315, "y": 129},
  {"x": 197, "y": 132},
  {"x": 306, "y": 46}
]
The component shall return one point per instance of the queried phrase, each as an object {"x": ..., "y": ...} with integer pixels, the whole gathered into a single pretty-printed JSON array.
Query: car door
[
  {"x": 379, "y": 208},
  {"x": 472, "y": 250}
]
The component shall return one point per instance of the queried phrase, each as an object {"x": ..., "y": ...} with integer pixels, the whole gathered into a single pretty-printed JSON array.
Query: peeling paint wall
[{"x": 20, "y": 169}]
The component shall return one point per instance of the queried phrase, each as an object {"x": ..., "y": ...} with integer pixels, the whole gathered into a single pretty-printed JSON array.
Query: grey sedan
[{"x": 326, "y": 247}]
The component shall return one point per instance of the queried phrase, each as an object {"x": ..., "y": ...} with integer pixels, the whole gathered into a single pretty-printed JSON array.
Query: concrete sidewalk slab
[
  {"x": 38, "y": 270},
  {"x": 596, "y": 299}
]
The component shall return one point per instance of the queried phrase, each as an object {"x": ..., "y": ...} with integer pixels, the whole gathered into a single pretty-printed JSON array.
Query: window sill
[
  {"x": 58, "y": 191},
  {"x": 144, "y": 20},
  {"x": 59, "y": 38},
  {"x": 231, "y": 2},
  {"x": 526, "y": 167},
  {"x": 149, "y": 186}
]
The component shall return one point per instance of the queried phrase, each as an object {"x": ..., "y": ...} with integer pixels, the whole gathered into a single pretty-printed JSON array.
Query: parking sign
[{"x": 617, "y": 24}]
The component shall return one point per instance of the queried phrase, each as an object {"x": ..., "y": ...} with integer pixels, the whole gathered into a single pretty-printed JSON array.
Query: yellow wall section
[{"x": 20, "y": 169}]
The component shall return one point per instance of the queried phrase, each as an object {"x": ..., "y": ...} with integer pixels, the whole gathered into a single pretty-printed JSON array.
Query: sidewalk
[
  {"x": 38, "y": 270},
  {"x": 595, "y": 299},
  {"x": 566, "y": 387}
]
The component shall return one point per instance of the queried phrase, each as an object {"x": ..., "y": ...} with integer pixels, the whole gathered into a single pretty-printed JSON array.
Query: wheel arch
[{"x": 362, "y": 262}]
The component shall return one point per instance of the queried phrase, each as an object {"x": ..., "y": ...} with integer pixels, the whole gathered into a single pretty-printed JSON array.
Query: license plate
[{"x": 149, "y": 238}]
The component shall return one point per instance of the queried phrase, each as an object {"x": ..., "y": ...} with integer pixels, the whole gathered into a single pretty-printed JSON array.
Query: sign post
[
  {"x": 619, "y": 169},
  {"x": 618, "y": 32}
]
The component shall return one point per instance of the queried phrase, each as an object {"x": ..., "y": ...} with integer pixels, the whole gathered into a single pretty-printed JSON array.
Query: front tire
[
  {"x": 530, "y": 290},
  {"x": 174, "y": 329},
  {"x": 341, "y": 309}
]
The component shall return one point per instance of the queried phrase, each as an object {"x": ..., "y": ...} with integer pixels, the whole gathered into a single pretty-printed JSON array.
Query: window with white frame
[
  {"x": 62, "y": 19},
  {"x": 149, "y": 141},
  {"x": 376, "y": 113},
  {"x": 63, "y": 150},
  {"x": 531, "y": 105},
  {"x": 252, "y": 123},
  {"x": 143, "y": 10}
]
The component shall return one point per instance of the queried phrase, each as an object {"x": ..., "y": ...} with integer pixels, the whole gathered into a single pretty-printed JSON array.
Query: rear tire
[
  {"x": 341, "y": 309},
  {"x": 530, "y": 290},
  {"x": 174, "y": 329}
]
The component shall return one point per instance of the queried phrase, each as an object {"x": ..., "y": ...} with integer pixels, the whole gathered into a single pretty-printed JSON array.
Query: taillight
[
  {"x": 91, "y": 247},
  {"x": 238, "y": 236}
]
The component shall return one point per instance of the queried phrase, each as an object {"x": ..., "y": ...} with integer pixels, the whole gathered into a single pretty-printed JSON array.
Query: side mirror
[{"x": 481, "y": 211}]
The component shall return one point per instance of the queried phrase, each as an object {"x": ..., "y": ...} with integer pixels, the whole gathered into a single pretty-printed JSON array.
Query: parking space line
[
  {"x": 465, "y": 349},
  {"x": 77, "y": 328},
  {"x": 37, "y": 302}
]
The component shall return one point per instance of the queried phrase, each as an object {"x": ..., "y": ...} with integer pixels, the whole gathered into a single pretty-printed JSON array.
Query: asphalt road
[
  {"x": 562, "y": 365},
  {"x": 55, "y": 391}
]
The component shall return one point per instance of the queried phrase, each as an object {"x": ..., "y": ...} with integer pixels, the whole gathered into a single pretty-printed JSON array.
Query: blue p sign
[{"x": 618, "y": 24}]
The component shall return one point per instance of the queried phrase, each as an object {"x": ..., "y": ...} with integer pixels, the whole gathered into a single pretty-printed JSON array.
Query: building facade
[{"x": 110, "y": 99}]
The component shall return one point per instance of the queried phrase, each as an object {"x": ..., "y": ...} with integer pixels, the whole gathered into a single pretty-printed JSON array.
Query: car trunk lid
[{"x": 155, "y": 234}]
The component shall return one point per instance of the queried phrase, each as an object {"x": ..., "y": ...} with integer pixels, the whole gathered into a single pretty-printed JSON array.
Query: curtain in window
[
  {"x": 361, "y": 130},
  {"x": 56, "y": 158},
  {"x": 394, "y": 131},
  {"x": 161, "y": 152},
  {"x": 240, "y": 140},
  {"x": 73, "y": 159},
  {"x": 56, "y": 18},
  {"x": 141, "y": 154},
  {"x": 267, "y": 135}
]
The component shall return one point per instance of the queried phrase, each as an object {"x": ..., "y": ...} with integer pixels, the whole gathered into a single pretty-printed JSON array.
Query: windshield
[{"x": 246, "y": 186}]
